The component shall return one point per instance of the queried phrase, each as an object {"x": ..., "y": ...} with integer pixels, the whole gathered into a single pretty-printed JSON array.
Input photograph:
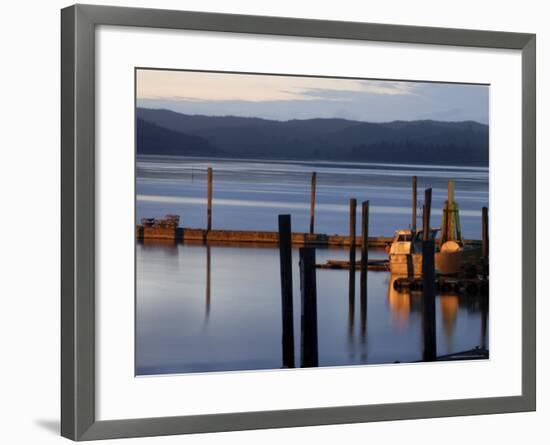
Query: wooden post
[
  {"x": 285, "y": 254},
  {"x": 428, "y": 306},
  {"x": 352, "y": 231},
  {"x": 209, "y": 206},
  {"x": 426, "y": 213},
  {"x": 449, "y": 228},
  {"x": 414, "y": 199},
  {"x": 364, "y": 262},
  {"x": 484, "y": 233},
  {"x": 308, "y": 288},
  {"x": 312, "y": 203},
  {"x": 352, "y": 241}
]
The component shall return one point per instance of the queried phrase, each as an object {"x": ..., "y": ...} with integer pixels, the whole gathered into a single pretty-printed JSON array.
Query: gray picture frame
[{"x": 78, "y": 23}]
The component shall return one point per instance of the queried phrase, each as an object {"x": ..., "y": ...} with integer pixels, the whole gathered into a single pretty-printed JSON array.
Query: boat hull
[
  {"x": 446, "y": 263},
  {"x": 408, "y": 265},
  {"x": 450, "y": 263}
]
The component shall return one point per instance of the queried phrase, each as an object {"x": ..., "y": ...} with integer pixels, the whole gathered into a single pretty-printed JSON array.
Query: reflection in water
[
  {"x": 363, "y": 311},
  {"x": 235, "y": 322},
  {"x": 449, "y": 311},
  {"x": 405, "y": 305},
  {"x": 484, "y": 307},
  {"x": 208, "y": 280},
  {"x": 402, "y": 304},
  {"x": 218, "y": 308},
  {"x": 351, "y": 301}
]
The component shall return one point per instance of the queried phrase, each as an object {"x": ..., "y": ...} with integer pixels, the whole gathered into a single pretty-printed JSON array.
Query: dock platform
[{"x": 183, "y": 234}]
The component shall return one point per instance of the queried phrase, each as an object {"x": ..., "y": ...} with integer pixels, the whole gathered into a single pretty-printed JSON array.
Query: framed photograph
[{"x": 272, "y": 222}]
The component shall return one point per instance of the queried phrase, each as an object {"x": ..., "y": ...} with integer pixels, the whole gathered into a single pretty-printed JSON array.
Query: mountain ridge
[{"x": 419, "y": 141}]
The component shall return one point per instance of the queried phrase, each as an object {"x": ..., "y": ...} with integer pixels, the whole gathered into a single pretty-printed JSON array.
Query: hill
[
  {"x": 153, "y": 139},
  {"x": 423, "y": 141}
]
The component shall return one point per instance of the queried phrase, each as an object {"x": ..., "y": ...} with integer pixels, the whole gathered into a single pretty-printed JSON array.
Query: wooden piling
[
  {"x": 364, "y": 234},
  {"x": 485, "y": 232},
  {"x": 450, "y": 214},
  {"x": 428, "y": 306},
  {"x": 308, "y": 288},
  {"x": 285, "y": 254},
  {"x": 364, "y": 263},
  {"x": 352, "y": 232},
  {"x": 209, "y": 206},
  {"x": 352, "y": 235},
  {"x": 414, "y": 199},
  {"x": 427, "y": 209},
  {"x": 312, "y": 203}
]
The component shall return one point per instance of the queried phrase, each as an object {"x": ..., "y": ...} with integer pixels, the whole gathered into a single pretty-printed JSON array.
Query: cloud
[
  {"x": 208, "y": 86},
  {"x": 293, "y": 97}
]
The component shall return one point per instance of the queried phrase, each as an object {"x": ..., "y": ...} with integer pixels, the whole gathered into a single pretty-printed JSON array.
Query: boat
[
  {"x": 405, "y": 253},
  {"x": 452, "y": 256}
]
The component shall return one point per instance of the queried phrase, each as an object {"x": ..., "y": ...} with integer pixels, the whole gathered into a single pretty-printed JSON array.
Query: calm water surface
[
  {"x": 218, "y": 308},
  {"x": 249, "y": 195}
]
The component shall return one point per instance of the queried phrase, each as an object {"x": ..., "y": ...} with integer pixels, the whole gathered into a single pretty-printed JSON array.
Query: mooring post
[
  {"x": 312, "y": 203},
  {"x": 308, "y": 288},
  {"x": 428, "y": 283},
  {"x": 414, "y": 199},
  {"x": 352, "y": 241},
  {"x": 364, "y": 262},
  {"x": 428, "y": 310},
  {"x": 285, "y": 254},
  {"x": 484, "y": 233},
  {"x": 352, "y": 233},
  {"x": 209, "y": 205},
  {"x": 427, "y": 209},
  {"x": 449, "y": 228}
]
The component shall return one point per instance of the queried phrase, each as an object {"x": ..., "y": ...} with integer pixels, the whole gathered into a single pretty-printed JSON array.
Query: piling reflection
[
  {"x": 208, "y": 284},
  {"x": 177, "y": 294},
  {"x": 351, "y": 318},
  {"x": 484, "y": 306},
  {"x": 449, "y": 304},
  {"x": 403, "y": 304},
  {"x": 364, "y": 318},
  {"x": 406, "y": 306},
  {"x": 363, "y": 310}
]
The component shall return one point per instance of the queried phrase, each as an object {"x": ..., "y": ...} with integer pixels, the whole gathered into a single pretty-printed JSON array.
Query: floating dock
[
  {"x": 155, "y": 231},
  {"x": 251, "y": 236}
]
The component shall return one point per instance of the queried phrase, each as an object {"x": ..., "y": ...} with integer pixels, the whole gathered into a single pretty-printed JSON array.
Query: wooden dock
[
  {"x": 378, "y": 265},
  {"x": 252, "y": 236},
  {"x": 181, "y": 234}
]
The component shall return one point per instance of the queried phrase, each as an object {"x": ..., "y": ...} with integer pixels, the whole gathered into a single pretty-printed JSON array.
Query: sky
[{"x": 292, "y": 97}]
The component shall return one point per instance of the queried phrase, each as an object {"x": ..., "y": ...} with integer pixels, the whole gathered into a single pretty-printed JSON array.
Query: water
[
  {"x": 248, "y": 195},
  {"x": 217, "y": 308}
]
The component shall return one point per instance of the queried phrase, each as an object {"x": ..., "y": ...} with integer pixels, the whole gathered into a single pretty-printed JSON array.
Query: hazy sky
[{"x": 288, "y": 97}]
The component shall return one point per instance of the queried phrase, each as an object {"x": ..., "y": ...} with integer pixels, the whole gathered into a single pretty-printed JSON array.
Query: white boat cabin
[{"x": 406, "y": 242}]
